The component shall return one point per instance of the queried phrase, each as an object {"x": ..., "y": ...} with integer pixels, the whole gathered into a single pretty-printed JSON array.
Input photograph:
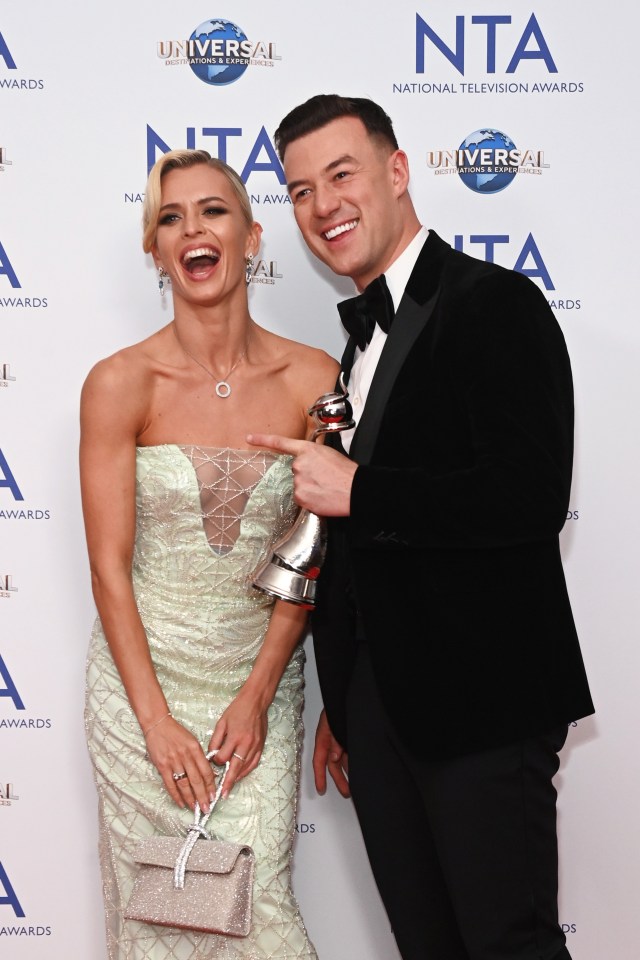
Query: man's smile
[{"x": 341, "y": 228}]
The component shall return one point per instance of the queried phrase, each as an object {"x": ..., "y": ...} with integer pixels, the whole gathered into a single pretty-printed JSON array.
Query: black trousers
[{"x": 464, "y": 851}]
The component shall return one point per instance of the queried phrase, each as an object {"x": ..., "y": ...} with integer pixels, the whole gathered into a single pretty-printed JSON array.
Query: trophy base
[{"x": 285, "y": 584}]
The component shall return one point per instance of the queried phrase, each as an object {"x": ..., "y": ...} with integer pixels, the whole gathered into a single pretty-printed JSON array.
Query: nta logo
[
  {"x": 10, "y": 898},
  {"x": 13, "y": 83},
  {"x": 218, "y": 51},
  {"x": 10, "y": 690},
  {"x": 5, "y": 54},
  {"x": 7, "y": 269},
  {"x": 7, "y": 478},
  {"x": 532, "y": 34},
  {"x": 262, "y": 156},
  {"x": 529, "y": 261}
]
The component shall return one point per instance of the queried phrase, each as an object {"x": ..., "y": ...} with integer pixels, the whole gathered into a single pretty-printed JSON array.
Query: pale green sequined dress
[{"x": 205, "y": 519}]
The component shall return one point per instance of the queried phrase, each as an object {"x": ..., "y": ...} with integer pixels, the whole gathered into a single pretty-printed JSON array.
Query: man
[{"x": 446, "y": 649}]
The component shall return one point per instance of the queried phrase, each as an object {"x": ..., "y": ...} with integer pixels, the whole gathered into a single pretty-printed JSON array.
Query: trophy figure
[{"x": 291, "y": 572}]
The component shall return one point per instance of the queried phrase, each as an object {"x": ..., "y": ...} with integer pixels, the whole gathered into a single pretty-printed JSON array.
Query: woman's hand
[
  {"x": 173, "y": 749},
  {"x": 239, "y": 738}
]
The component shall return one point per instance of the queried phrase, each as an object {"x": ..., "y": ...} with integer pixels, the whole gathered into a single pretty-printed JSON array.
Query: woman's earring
[
  {"x": 249, "y": 268},
  {"x": 163, "y": 277}
]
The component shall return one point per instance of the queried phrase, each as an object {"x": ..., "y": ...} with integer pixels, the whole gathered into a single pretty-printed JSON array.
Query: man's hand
[
  {"x": 329, "y": 755},
  {"x": 322, "y": 477}
]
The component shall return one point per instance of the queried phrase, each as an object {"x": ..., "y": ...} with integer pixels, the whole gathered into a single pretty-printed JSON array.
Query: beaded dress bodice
[{"x": 205, "y": 516}]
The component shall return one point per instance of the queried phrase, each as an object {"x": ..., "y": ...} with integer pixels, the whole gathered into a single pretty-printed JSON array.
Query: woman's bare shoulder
[
  {"x": 129, "y": 368},
  {"x": 315, "y": 373},
  {"x": 305, "y": 363},
  {"x": 308, "y": 372}
]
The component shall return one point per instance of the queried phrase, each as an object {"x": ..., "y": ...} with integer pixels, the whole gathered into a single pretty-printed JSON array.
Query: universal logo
[
  {"x": 7, "y": 794},
  {"x": 218, "y": 51},
  {"x": 5, "y": 375},
  {"x": 265, "y": 271},
  {"x": 6, "y": 587},
  {"x": 4, "y": 162},
  {"x": 487, "y": 161}
]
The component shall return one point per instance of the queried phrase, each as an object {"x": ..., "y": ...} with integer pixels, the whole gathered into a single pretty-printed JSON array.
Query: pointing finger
[{"x": 274, "y": 442}]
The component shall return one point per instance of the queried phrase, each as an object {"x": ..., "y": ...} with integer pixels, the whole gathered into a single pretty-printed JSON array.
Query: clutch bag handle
[{"x": 197, "y": 829}]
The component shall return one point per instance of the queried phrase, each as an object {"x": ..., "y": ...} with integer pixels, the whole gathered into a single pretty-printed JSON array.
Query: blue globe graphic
[
  {"x": 495, "y": 176},
  {"x": 219, "y": 74}
]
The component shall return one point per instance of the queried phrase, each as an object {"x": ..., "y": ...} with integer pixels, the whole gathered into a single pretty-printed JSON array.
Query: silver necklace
[{"x": 223, "y": 387}]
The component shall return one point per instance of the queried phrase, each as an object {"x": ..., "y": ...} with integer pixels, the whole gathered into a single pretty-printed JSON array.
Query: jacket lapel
[
  {"x": 409, "y": 323},
  {"x": 414, "y": 312}
]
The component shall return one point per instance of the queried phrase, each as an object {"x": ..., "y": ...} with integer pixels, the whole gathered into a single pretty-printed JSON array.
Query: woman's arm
[
  {"x": 112, "y": 414},
  {"x": 242, "y": 729},
  {"x": 240, "y": 732}
]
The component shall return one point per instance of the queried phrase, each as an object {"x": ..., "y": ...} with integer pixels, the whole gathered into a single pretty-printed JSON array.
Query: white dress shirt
[{"x": 366, "y": 361}]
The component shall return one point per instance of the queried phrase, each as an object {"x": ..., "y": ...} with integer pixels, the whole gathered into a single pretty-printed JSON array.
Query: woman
[{"x": 186, "y": 656}]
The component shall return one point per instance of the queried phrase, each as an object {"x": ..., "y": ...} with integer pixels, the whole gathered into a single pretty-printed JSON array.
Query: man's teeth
[
  {"x": 336, "y": 231},
  {"x": 200, "y": 252}
]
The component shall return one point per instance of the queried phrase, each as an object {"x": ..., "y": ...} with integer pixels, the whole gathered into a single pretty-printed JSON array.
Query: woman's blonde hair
[{"x": 181, "y": 160}]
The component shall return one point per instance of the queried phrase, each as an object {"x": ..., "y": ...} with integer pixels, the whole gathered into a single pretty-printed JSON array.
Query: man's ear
[{"x": 400, "y": 171}]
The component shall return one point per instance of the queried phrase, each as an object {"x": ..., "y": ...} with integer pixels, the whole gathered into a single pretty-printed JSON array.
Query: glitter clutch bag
[{"x": 194, "y": 884}]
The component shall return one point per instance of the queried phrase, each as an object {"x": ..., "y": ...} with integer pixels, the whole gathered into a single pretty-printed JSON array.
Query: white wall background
[{"x": 73, "y": 137}]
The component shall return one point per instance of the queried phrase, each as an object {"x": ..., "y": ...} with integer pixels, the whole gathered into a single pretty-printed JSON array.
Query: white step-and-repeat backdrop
[{"x": 90, "y": 94}]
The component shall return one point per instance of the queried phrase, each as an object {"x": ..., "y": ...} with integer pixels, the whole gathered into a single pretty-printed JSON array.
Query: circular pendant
[{"x": 223, "y": 389}]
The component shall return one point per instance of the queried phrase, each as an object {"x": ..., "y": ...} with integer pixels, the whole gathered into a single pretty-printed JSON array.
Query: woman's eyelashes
[{"x": 173, "y": 216}]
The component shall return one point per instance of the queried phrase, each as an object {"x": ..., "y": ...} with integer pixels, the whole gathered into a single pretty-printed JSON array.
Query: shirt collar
[{"x": 397, "y": 275}]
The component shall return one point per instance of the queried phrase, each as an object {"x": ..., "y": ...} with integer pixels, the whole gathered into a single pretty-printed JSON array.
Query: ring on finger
[
  {"x": 179, "y": 776},
  {"x": 244, "y": 759}
]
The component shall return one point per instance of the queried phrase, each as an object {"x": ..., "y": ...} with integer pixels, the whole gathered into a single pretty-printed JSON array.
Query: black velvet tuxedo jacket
[{"x": 449, "y": 563}]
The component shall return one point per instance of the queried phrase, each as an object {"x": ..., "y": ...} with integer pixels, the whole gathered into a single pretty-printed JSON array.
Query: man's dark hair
[{"x": 321, "y": 110}]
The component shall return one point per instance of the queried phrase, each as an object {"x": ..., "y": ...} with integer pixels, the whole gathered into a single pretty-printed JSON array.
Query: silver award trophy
[{"x": 297, "y": 557}]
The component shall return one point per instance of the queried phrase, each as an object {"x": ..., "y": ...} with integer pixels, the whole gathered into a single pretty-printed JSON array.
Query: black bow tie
[{"x": 360, "y": 314}]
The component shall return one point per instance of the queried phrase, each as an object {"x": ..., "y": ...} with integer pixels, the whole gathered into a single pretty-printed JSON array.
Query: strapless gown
[{"x": 205, "y": 519}]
